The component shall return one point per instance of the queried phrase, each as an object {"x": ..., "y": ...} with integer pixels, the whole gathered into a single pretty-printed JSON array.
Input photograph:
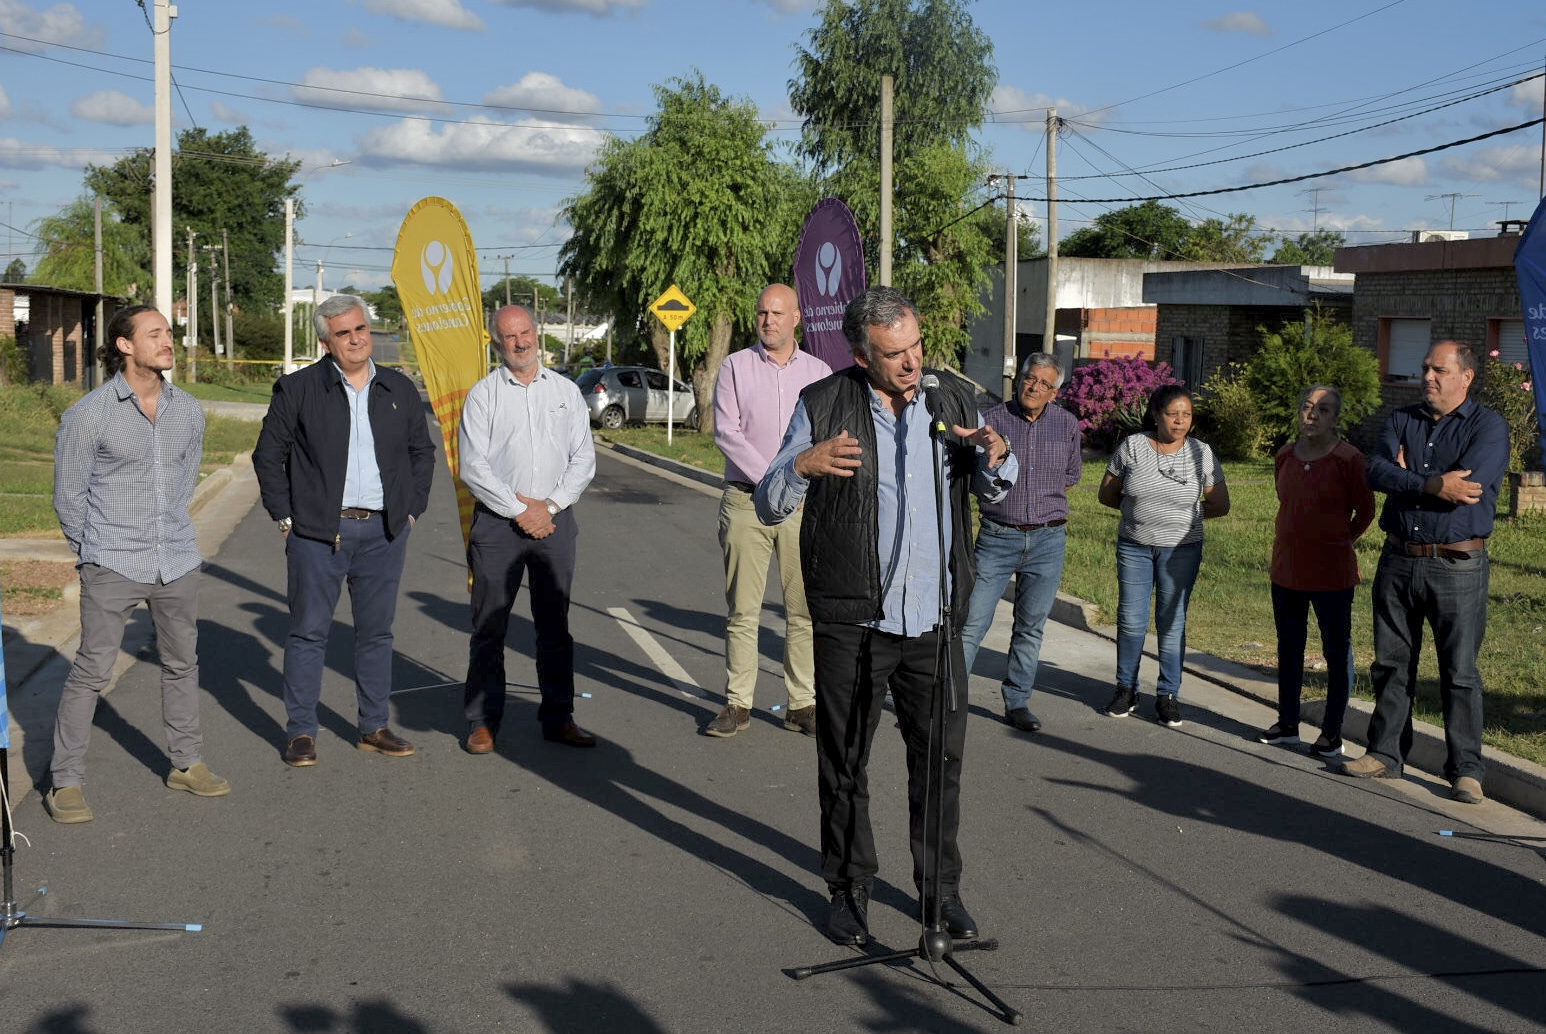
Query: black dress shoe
[
  {"x": 957, "y": 920},
  {"x": 384, "y": 741},
  {"x": 848, "y": 916},
  {"x": 1022, "y": 719},
  {"x": 569, "y": 734}
]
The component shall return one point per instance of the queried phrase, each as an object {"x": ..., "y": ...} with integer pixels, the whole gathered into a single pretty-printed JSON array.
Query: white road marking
[{"x": 657, "y": 654}]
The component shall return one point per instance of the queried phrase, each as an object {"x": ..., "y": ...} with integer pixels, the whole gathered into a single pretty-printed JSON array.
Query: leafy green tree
[
  {"x": 1317, "y": 248},
  {"x": 1234, "y": 241},
  {"x": 698, "y": 200},
  {"x": 220, "y": 181},
  {"x": 388, "y": 306},
  {"x": 15, "y": 273},
  {"x": 521, "y": 291},
  {"x": 1148, "y": 230},
  {"x": 1028, "y": 244},
  {"x": 942, "y": 67},
  {"x": 69, "y": 252},
  {"x": 1319, "y": 350}
]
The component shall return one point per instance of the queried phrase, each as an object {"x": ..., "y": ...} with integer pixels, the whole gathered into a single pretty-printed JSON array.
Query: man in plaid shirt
[{"x": 125, "y": 465}]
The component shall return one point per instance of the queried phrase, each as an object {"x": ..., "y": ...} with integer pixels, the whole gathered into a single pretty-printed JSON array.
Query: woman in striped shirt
[{"x": 1166, "y": 484}]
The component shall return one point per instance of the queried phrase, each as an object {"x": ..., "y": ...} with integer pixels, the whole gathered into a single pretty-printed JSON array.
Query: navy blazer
[{"x": 302, "y": 455}]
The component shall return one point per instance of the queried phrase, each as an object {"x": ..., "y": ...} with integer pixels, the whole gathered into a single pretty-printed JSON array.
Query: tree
[
  {"x": 521, "y": 290},
  {"x": 220, "y": 182},
  {"x": 1144, "y": 231},
  {"x": 1317, "y": 248},
  {"x": 69, "y": 252},
  {"x": 388, "y": 306},
  {"x": 1234, "y": 241},
  {"x": 1028, "y": 244},
  {"x": 1320, "y": 350},
  {"x": 16, "y": 272},
  {"x": 943, "y": 72},
  {"x": 699, "y": 201}
]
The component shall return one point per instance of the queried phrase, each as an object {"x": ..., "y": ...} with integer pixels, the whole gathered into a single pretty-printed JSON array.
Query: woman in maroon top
[{"x": 1324, "y": 505}]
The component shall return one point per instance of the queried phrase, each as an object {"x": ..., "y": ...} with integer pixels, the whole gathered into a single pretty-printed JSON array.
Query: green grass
[
  {"x": 29, "y": 421},
  {"x": 259, "y": 392},
  {"x": 1231, "y": 610}
]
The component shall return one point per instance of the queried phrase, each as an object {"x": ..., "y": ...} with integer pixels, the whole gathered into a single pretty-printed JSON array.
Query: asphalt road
[{"x": 1138, "y": 878}]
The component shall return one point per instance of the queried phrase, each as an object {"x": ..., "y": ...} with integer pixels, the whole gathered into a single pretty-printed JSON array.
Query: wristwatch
[
  {"x": 552, "y": 507},
  {"x": 285, "y": 524}
]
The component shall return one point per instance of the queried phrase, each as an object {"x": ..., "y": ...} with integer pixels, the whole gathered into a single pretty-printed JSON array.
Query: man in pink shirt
[{"x": 753, "y": 400}]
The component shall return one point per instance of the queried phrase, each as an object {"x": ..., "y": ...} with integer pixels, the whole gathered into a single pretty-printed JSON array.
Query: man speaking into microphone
[{"x": 858, "y": 455}]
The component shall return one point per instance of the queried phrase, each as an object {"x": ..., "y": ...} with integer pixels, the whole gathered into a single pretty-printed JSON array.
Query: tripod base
[
  {"x": 12, "y": 917},
  {"x": 933, "y": 946}
]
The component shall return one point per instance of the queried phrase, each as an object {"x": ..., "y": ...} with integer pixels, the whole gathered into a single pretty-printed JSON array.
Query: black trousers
[
  {"x": 855, "y": 668},
  {"x": 500, "y": 556}
]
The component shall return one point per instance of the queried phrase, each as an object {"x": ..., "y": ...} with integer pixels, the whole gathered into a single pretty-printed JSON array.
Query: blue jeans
[
  {"x": 1450, "y": 596},
  {"x": 373, "y": 566},
  {"x": 1166, "y": 573},
  {"x": 1035, "y": 560},
  {"x": 1334, "y": 615}
]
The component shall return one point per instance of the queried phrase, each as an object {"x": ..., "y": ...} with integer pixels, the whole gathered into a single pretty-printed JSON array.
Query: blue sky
[{"x": 498, "y": 105}]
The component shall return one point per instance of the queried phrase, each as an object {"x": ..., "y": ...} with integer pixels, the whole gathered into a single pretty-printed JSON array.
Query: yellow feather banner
[{"x": 435, "y": 269}]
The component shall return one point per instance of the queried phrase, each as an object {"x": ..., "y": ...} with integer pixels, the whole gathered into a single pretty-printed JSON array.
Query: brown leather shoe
[
  {"x": 385, "y": 741},
  {"x": 302, "y": 752},
  {"x": 1368, "y": 767},
  {"x": 569, "y": 734},
  {"x": 480, "y": 741}
]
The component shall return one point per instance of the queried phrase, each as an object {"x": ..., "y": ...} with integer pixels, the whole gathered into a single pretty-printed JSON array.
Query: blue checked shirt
[{"x": 122, "y": 485}]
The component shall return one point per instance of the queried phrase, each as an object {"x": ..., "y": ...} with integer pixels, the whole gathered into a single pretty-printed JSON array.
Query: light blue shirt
[
  {"x": 362, "y": 478},
  {"x": 909, "y": 533}
]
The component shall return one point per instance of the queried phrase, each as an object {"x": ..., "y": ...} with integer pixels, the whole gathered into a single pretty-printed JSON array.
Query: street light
[
  {"x": 289, "y": 301},
  {"x": 316, "y": 297}
]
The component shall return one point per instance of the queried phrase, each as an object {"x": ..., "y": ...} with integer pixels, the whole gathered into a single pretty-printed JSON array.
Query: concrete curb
[{"x": 1510, "y": 780}]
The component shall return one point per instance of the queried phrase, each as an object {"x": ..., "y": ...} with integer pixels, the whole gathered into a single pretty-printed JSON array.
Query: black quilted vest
[{"x": 839, "y": 533}]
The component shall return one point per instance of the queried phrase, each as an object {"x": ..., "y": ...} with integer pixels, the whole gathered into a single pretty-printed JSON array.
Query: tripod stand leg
[
  {"x": 1010, "y": 1015},
  {"x": 853, "y": 963}
]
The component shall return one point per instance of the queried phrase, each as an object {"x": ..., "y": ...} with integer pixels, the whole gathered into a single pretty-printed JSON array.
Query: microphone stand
[
  {"x": 12, "y": 915},
  {"x": 935, "y": 944}
]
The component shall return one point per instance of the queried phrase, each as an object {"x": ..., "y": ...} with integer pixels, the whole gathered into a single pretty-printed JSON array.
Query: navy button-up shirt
[{"x": 1472, "y": 437}]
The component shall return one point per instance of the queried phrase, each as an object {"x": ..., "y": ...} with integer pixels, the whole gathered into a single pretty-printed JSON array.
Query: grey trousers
[{"x": 107, "y": 599}]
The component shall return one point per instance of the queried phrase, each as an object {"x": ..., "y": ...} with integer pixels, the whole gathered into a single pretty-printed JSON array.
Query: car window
[
  {"x": 588, "y": 380},
  {"x": 655, "y": 379},
  {"x": 680, "y": 387},
  {"x": 630, "y": 379}
]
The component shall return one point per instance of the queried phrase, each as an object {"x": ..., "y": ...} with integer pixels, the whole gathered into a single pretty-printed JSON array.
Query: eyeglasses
[
  {"x": 1039, "y": 385},
  {"x": 1169, "y": 472}
]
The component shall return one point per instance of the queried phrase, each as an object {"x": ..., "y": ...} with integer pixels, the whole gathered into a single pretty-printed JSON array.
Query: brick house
[{"x": 55, "y": 328}]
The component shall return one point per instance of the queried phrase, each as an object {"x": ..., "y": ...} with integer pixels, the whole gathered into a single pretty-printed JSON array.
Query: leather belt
[
  {"x": 741, "y": 486},
  {"x": 1463, "y": 550},
  {"x": 355, "y": 513},
  {"x": 1032, "y": 527}
]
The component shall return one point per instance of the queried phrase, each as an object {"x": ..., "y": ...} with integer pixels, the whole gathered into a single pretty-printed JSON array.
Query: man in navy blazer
[{"x": 344, "y": 464}]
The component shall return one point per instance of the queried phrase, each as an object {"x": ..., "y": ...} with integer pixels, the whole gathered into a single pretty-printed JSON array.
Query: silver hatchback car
[{"x": 618, "y": 395}]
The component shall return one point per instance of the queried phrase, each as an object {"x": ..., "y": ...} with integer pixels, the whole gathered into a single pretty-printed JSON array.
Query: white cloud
[
  {"x": 114, "y": 109},
  {"x": 225, "y": 113},
  {"x": 449, "y": 14},
  {"x": 1528, "y": 95},
  {"x": 5, "y": 104},
  {"x": 530, "y": 146},
  {"x": 1010, "y": 105},
  {"x": 61, "y": 23},
  {"x": 1511, "y": 164},
  {"x": 1248, "y": 22},
  {"x": 539, "y": 91},
  {"x": 599, "y": 8},
  {"x": 380, "y": 89},
  {"x": 16, "y": 154},
  {"x": 1408, "y": 172},
  {"x": 789, "y": 6},
  {"x": 356, "y": 39}
]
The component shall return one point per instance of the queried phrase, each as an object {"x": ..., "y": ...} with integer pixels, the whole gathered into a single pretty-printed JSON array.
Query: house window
[
  {"x": 1186, "y": 360},
  {"x": 1403, "y": 344},
  {"x": 1508, "y": 337}
]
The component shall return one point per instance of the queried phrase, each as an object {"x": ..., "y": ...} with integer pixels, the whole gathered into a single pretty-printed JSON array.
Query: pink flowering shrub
[
  {"x": 1507, "y": 391},
  {"x": 1109, "y": 397}
]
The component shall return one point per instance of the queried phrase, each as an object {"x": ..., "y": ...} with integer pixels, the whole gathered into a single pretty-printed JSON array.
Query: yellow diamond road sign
[{"x": 673, "y": 308}]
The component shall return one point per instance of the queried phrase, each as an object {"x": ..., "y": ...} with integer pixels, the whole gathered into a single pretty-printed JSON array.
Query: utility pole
[
  {"x": 506, "y": 259},
  {"x": 1011, "y": 285},
  {"x": 887, "y": 126},
  {"x": 569, "y": 344},
  {"x": 191, "y": 339},
  {"x": 214, "y": 302},
  {"x": 161, "y": 224},
  {"x": 95, "y": 366},
  {"x": 289, "y": 301},
  {"x": 230, "y": 338},
  {"x": 1049, "y": 337}
]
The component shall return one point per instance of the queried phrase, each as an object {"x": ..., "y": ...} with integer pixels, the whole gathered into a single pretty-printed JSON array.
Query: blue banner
[
  {"x": 1530, "y": 264},
  {"x": 5, "y": 712}
]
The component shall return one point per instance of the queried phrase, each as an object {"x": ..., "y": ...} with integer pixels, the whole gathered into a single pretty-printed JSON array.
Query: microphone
[{"x": 931, "y": 401}]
